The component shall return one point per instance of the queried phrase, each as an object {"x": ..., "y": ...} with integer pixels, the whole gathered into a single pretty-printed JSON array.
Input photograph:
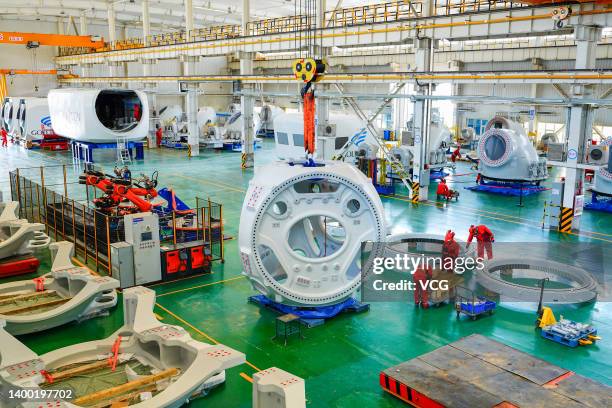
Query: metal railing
[
  {"x": 93, "y": 231},
  {"x": 366, "y": 14},
  {"x": 373, "y": 13},
  {"x": 452, "y": 7}
]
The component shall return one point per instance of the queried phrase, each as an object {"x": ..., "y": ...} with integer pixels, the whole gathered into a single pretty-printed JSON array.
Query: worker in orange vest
[
  {"x": 484, "y": 238},
  {"x": 4, "y": 137},
  {"x": 420, "y": 277},
  {"x": 158, "y": 135},
  {"x": 450, "y": 251}
]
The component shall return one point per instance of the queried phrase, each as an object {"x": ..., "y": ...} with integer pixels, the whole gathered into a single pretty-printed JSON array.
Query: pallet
[
  {"x": 547, "y": 333},
  {"x": 476, "y": 371},
  {"x": 351, "y": 306}
]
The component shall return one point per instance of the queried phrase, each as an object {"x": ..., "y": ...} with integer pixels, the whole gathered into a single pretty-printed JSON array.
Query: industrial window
[
  {"x": 298, "y": 139},
  {"x": 281, "y": 138}
]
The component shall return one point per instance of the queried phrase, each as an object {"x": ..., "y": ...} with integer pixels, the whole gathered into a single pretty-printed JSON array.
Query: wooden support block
[
  {"x": 71, "y": 372},
  {"x": 11, "y": 295},
  {"x": 34, "y": 307},
  {"x": 125, "y": 398},
  {"x": 26, "y": 296},
  {"x": 127, "y": 387}
]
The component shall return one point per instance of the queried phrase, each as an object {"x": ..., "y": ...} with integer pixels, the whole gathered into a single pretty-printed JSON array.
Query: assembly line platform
[{"x": 476, "y": 371}]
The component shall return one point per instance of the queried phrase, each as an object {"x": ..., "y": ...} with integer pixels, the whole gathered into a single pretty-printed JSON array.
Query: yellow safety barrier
[
  {"x": 415, "y": 192},
  {"x": 565, "y": 221}
]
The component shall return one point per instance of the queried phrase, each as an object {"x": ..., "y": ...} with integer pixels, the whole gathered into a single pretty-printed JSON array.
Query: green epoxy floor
[{"x": 341, "y": 359}]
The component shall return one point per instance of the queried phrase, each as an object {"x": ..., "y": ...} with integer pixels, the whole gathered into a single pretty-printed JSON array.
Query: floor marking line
[
  {"x": 216, "y": 184},
  {"x": 200, "y": 332},
  {"x": 177, "y": 280},
  {"x": 501, "y": 219},
  {"x": 200, "y": 286},
  {"x": 441, "y": 205}
]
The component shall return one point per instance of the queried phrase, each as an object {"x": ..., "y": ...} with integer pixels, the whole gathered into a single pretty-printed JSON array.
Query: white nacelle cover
[
  {"x": 301, "y": 230},
  {"x": 33, "y": 118},
  {"x": 170, "y": 114},
  {"x": 99, "y": 115},
  {"x": 506, "y": 153},
  {"x": 9, "y": 115}
]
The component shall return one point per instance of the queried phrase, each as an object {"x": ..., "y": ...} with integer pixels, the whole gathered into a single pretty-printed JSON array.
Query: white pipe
[
  {"x": 146, "y": 23},
  {"x": 112, "y": 34},
  {"x": 246, "y": 15},
  {"x": 188, "y": 17}
]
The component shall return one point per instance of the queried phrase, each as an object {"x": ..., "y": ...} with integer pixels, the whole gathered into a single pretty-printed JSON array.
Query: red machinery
[{"x": 119, "y": 191}]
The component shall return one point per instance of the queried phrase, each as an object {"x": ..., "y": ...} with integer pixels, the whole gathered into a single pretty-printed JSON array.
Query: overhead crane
[
  {"x": 58, "y": 40},
  {"x": 12, "y": 72}
]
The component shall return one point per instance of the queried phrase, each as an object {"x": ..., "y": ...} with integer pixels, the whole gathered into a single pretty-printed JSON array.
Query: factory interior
[{"x": 308, "y": 203}]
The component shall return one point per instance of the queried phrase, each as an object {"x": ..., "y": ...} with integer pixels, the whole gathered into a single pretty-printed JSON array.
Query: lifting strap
[{"x": 309, "y": 122}]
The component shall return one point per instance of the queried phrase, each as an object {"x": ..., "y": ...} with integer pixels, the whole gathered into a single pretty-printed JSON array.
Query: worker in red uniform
[
  {"x": 420, "y": 277},
  {"x": 443, "y": 190},
  {"x": 158, "y": 135},
  {"x": 456, "y": 154},
  {"x": 4, "y": 137},
  {"x": 484, "y": 238},
  {"x": 450, "y": 251},
  {"x": 137, "y": 112}
]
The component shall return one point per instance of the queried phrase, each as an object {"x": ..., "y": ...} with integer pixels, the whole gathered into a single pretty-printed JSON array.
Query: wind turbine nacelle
[
  {"x": 99, "y": 115},
  {"x": 505, "y": 153}
]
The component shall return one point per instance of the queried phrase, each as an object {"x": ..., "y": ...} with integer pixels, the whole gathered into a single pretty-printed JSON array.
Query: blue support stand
[
  {"x": 599, "y": 202},
  {"x": 438, "y": 175},
  {"x": 514, "y": 189},
  {"x": 312, "y": 316},
  {"x": 84, "y": 150}
]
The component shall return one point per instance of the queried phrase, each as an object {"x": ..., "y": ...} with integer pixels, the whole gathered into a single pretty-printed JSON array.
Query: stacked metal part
[{"x": 506, "y": 153}]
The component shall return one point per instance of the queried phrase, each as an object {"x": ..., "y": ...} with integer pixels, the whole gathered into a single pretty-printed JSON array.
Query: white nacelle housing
[
  {"x": 170, "y": 114},
  {"x": 33, "y": 119},
  {"x": 289, "y": 136},
  {"x": 439, "y": 141},
  {"x": 301, "y": 230},
  {"x": 9, "y": 115},
  {"x": 603, "y": 177},
  {"x": 99, "y": 115},
  {"x": 506, "y": 153}
]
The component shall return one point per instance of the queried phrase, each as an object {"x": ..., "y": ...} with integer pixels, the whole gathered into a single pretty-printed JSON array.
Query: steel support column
[
  {"x": 247, "y": 103},
  {"x": 580, "y": 126},
  {"x": 191, "y": 103},
  {"x": 112, "y": 34},
  {"x": 422, "y": 118}
]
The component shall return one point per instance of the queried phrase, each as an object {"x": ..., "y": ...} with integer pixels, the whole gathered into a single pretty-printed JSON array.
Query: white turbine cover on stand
[
  {"x": 506, "y": 153},
  {"x": 301, "y": 230},
  {"x": 99, "y": 115}
]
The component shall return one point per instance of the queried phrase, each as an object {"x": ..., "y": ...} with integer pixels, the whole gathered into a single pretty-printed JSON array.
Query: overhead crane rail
[
  {"x": 87, "y": 42},
  {"x": 531, "y": 77},
  {"x": 345, "y": 17}
]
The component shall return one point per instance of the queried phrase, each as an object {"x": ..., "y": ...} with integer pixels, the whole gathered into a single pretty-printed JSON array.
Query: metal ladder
[
  {"x": 123, "y": 151},
  {"x": 397, "y": 167}
]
